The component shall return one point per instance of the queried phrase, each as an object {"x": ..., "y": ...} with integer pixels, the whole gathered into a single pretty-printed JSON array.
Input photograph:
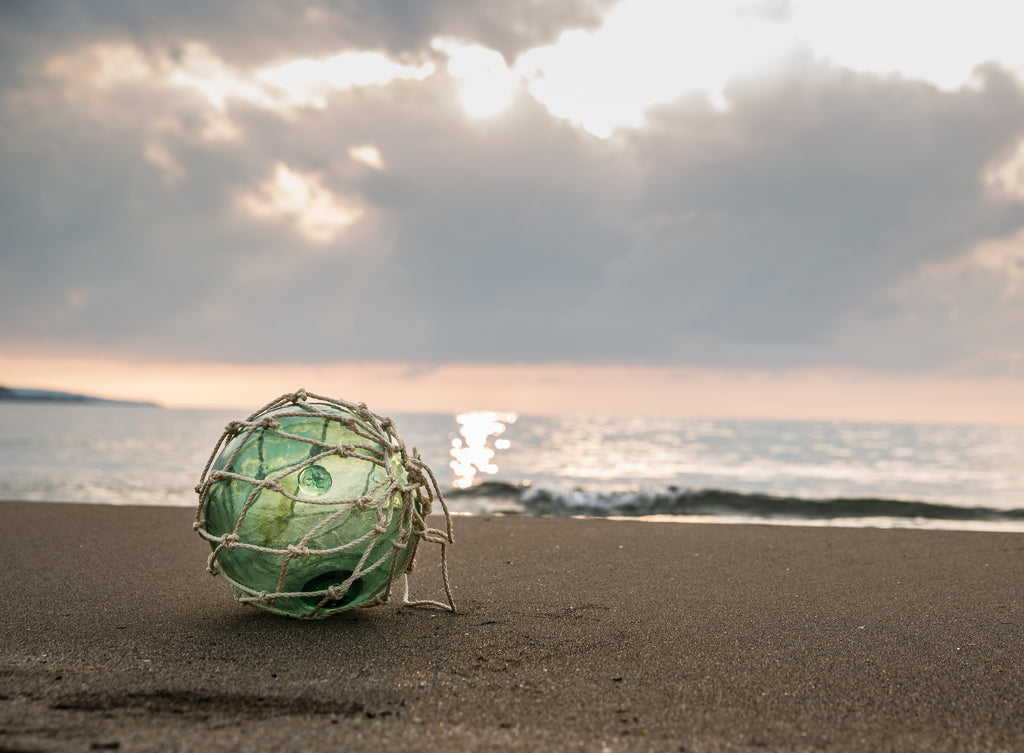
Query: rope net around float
[{"x": 400, "y": 507}]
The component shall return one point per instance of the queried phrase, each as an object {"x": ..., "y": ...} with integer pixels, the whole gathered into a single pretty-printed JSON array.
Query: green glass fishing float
[{"x": 314, "y": 506}]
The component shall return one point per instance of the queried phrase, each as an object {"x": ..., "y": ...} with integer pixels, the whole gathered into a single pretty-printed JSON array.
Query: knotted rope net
[{"x": 313, "y": 506}]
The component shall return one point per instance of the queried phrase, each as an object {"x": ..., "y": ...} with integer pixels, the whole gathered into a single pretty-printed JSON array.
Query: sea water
[{"x": 809, "y": 473}]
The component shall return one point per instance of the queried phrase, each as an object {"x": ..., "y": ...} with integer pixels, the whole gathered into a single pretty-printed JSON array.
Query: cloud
[
  {"x": 301, "y": 200},
  {"x": 307, "y": 82},
  {"x": 650, "y": 52},
  {"x": 251, "y": 32},
  {"x": 942, "y": 43},
  {"x": 487, "y": 84},
  {"x": 367, "y": 154},
  {"x": 1006, "y": 177},
  {"x": 164, "y": 183},
  {"x": 961, "y": 314},
  {"x": 765, "y": 225}
]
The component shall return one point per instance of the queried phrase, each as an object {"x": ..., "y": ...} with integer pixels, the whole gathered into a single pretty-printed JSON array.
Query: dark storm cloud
[{"x": 790, "y": 229}]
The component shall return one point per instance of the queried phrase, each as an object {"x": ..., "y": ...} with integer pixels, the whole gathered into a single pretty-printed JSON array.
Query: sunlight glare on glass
[{"x": 470, "y": 453}]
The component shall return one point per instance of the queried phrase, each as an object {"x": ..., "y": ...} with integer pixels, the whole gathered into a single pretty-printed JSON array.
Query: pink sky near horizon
[{"x": 560, "y": 388}]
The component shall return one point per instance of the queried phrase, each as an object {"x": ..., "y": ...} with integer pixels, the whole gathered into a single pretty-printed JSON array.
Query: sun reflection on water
[{"x": 470, "y": 453}]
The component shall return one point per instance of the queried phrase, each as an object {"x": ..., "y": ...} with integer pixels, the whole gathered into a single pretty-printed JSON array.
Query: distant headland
[{"x": 22, "y": 395}]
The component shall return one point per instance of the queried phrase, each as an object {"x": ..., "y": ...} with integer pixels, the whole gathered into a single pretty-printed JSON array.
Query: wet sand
[{"x": 571, "y": 635}]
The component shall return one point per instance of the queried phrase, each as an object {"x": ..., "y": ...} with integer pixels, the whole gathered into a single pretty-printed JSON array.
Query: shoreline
[
  {"x": 877, "y": 522},
  {"x": 571, "y": 634}
]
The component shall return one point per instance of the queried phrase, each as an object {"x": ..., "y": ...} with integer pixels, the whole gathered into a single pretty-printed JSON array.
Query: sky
[{"x": 757, "y": 208}]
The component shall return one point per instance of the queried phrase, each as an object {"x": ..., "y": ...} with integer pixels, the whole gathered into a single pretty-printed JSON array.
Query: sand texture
[{"x": 572, "y": 635}]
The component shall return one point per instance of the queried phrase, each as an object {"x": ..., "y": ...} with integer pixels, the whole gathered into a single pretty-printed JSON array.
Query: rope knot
[
  {"x": 299, "y": 396},
  {"x": 362, "y": 503},
  {"x": 298, "y": 551},
  {"x": 336, "y": 592},
  {"x": 273, "y": 485},
  {"x": 268, "y": 423},
  {"x": 264, "y": 598},
  {"x": 234, "y": 428},
  {"x": 229, "y": 540}
]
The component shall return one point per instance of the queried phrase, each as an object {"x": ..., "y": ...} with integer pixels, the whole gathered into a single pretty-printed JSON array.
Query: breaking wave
[{"x": 525, "y": 499}]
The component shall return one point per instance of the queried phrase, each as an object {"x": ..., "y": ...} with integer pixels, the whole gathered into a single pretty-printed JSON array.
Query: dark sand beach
[{"x": 571, "y": 635}]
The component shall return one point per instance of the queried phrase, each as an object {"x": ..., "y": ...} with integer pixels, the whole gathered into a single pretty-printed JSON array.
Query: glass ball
[{"x": 307, "y": 511}]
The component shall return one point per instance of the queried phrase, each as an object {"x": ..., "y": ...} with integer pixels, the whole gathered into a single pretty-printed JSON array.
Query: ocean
[{"x": 493, "y": 463}]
